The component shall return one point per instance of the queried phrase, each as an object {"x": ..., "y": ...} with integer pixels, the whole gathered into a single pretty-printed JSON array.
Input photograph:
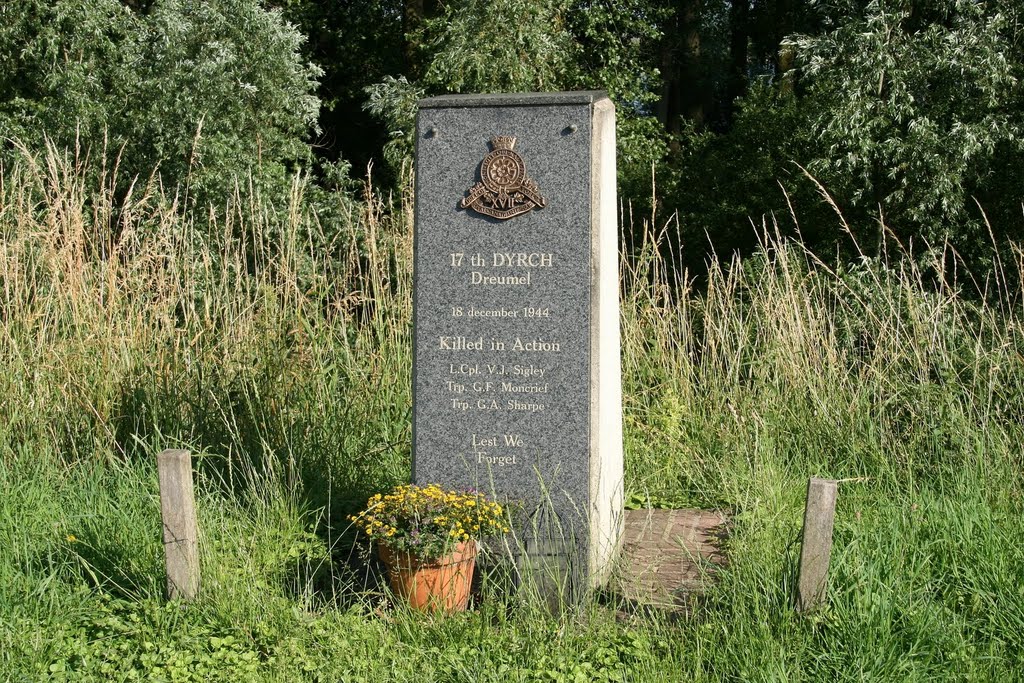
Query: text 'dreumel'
[{"x": 504, "y": 190}]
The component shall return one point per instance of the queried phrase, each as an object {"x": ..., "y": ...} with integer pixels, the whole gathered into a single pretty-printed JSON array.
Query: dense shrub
[{"x": 206, "y": 92}]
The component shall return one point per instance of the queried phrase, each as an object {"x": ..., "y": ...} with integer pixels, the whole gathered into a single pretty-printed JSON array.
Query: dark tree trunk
[
  {"x": 739, "y": 40},
  {"x": 412, "y": 22},
  {"x": 693, "y": 95},
  {"x": 769, "y": 23},
  {"x": 683, "y": 90},
  {"x": 785, "y": 57}
]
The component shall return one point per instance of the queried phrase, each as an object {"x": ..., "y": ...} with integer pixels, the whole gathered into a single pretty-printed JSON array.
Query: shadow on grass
[
  {"x": 111, "y": 567},
  {"x": 250, "y": 444}
]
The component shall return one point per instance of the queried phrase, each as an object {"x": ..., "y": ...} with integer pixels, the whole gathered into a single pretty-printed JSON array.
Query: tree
[
  {"x": 541, "y": 45},
  {"x": 356, "y": 43},
  {"x": 916, "y": 103},
  {"x": 66, "y": 69},
  {"x": 685, "y": 91},
  {"x": 208, "y": 92}
]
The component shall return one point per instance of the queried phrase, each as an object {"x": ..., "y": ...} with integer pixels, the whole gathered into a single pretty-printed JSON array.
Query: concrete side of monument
[
  {"x": 516, "y": 380},
  {"x": 606, "y": 466}
]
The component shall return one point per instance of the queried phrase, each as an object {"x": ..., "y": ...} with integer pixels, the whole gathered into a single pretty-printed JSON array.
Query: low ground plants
[{"x": 284, "y": 367}]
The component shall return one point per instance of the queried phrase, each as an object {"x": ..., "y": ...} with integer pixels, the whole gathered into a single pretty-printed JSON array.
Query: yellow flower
[{"x": 437, "y": 514}]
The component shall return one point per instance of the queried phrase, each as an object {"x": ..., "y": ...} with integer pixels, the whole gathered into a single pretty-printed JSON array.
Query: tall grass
[
  {"x": 878, "y": 370},
  {"x": 238, "y": 333},
  {"x": 277, "y": 347}
]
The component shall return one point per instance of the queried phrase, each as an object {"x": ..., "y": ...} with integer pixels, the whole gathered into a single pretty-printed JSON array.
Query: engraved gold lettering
[
  {"x": 522, "y": 259},
  {"x": 536, "y": 345},
  {"x": 478, "y": 278}
]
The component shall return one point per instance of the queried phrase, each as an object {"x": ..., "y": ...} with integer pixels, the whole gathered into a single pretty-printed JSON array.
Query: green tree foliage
[
  {"x": 65, "y": 69},
  {"x": 909, "y": 109},
  {"x": 356, "y": 43},
  {"x": 724, "y": 185},
  {"x": 915, "y": 107},
  {"x": 544, "y": 45},
  {"x": 501, "y": 46},
  {"x": 209, "y": 92},
  {"x": 904, "y": 110},
  {"x": 535, "y": 45},
  {"x": 225, "y": 79}
]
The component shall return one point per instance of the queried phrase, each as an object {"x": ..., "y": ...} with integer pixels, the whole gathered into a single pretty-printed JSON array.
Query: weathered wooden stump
[
  {"x": 181, "y": 531},
  {"x": 816, "y": 547}
]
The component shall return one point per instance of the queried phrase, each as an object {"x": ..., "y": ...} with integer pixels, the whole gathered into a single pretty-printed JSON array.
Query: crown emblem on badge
[
  {"x": 503, "y": 142},
  {"x": 504, "y": 190}
]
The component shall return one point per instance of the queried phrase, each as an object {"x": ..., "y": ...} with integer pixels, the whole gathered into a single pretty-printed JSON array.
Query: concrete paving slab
[{"x": 669, "y": 556}]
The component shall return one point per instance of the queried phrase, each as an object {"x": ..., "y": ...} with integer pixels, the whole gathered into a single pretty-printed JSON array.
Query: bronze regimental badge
[{"x": 504, "y": 191}]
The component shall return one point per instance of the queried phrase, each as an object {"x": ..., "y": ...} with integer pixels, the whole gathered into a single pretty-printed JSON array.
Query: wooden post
[
  {"x": 816, "y": 547},
  {"x": 178, "y": 509}
]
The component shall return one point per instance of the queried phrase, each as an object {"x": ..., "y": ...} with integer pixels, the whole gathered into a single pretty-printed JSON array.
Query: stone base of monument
[{"x": 668, "y": 558}]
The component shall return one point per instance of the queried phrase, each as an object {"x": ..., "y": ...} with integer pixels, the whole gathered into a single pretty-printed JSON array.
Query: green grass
[{"x": 281, "y": 357}]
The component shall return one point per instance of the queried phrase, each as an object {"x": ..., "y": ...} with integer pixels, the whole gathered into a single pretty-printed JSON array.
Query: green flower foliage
[{"x": 208, "y": 92}]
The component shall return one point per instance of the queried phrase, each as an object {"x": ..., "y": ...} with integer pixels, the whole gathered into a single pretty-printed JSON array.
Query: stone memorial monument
[{"x": 516, "y": 380}]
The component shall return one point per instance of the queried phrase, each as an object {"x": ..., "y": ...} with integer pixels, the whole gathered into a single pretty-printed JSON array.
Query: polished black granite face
[{"x": 502, "y": 371}]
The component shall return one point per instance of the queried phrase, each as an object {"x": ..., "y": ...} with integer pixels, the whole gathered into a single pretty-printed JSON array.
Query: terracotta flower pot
[{"x": 432, "y": 585}]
